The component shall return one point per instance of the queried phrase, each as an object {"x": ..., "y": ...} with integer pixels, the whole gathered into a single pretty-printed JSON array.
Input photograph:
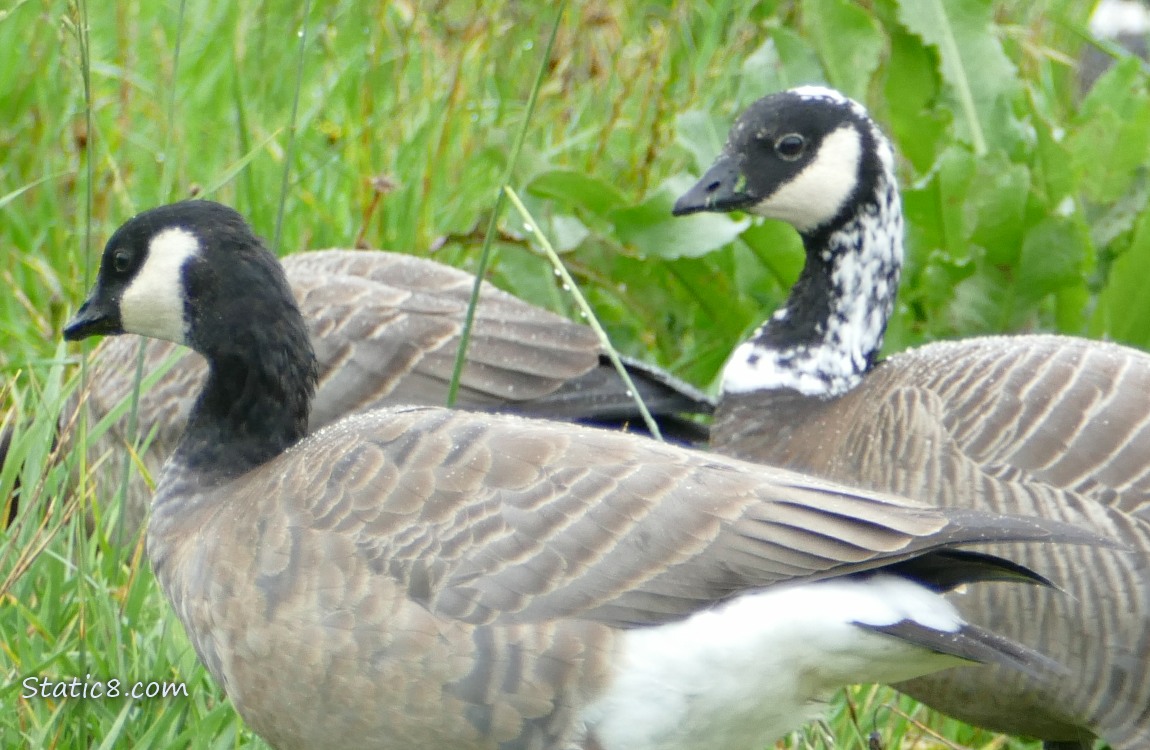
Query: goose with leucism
[{"x": 1044, "y": 425}]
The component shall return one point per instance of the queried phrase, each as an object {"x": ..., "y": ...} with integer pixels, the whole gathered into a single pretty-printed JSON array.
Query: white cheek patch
[
  {"x": 817, "y": 194},
  {"x": 153, "y": 304}
]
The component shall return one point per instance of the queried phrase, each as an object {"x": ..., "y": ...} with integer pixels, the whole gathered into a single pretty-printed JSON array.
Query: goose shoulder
[
  {"x": 1064, "y": 413},
  {"x": 1069, "y": 412}
]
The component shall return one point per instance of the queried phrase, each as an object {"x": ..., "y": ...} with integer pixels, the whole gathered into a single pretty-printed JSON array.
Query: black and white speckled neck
[{"x": 815, "y": 159}]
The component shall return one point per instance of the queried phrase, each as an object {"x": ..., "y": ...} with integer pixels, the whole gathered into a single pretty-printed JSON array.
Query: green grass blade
[
  {"x": 6, "y": 199},
  {"x": 289, "y": 152},
  {"x": 238, "y": 166},
  {"x": 584, "y": 308},
  {"x": 493, "y": 224}
]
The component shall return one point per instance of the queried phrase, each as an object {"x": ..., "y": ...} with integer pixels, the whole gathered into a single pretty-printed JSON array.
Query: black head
[
  {"x": 194, "y": 273},
  {"x": 175, "y": 272},
  {"x": 802, "y": 156}
]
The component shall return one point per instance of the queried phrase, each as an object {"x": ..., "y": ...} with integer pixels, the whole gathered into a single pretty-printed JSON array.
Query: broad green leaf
[
  {"x": 848, "y": 40},
  {"x": 715, "y": 294},
  {"x": 783, "y": 60},
  {"x": 778, "y": 247},
  {"x": 1112, "y": 140},
  {"x": 910, "y": 89},
  {"x": 1123, "y": 312},
  {"x": 759, "y": 74},
  {"x": 651, "y": 229},
  {"x": 1070, "y": 306},
  {"x": 529, "y": 276},
  {"x": 798, "y": 63},
  {"x": 577, "y": 190},
  {"x": 935, "y": 209},
  {"x": 1118, "y": 218},
  {"x": 702, "y": 134},
  {"x": 980, "y": 304},
  {"x": 997, "y": 208},
  {"x": 1116, "y": 89},
  {"x": 1106, "y": 151},
  {"x": 566, "y": 232},
  {"x": 979, "y": 75},
  {"x": 1053, "y": 258},
  {"x": 928, "y": 286},
  {"x": 1052, "y": 175}
]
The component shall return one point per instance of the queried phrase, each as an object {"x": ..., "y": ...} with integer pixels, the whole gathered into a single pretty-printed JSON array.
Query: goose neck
[
  {"x": 257, "y": 398},
  {"x": 830, "y": 330}
]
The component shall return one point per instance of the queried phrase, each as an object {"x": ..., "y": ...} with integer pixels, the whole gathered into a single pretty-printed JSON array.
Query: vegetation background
[{"x": 1026, "y": 200}]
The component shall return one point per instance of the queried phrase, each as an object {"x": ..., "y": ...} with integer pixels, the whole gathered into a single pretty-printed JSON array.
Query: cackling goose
[{"x": 1037, "y": 425}]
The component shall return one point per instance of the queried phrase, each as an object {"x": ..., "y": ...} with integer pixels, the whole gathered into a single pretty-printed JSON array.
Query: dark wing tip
[{"x": 973, "y": 644}]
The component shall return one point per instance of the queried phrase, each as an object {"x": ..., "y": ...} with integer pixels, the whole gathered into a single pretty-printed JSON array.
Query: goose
[
  {"x": 385, "y": 328},
  {"x": 1037, "y": 424},
  {"x": 425, "y": 577}
]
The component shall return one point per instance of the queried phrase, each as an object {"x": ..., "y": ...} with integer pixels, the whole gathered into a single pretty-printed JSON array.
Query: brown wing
[
  {"x": 498, "y": 519},
  {"x": 1069, "y": 412},
  {"x": 388, "y": 326},
  {"x": 386, "y": 329}
]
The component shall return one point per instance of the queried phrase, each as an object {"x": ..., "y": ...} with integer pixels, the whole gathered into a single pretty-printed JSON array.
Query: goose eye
[
  {"x": 790, "y": 146},
  {"x": 121, "y": 260}
]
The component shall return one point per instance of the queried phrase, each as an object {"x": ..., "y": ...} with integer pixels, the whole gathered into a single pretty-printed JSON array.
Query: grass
[{"x": 407, "y": 113}]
